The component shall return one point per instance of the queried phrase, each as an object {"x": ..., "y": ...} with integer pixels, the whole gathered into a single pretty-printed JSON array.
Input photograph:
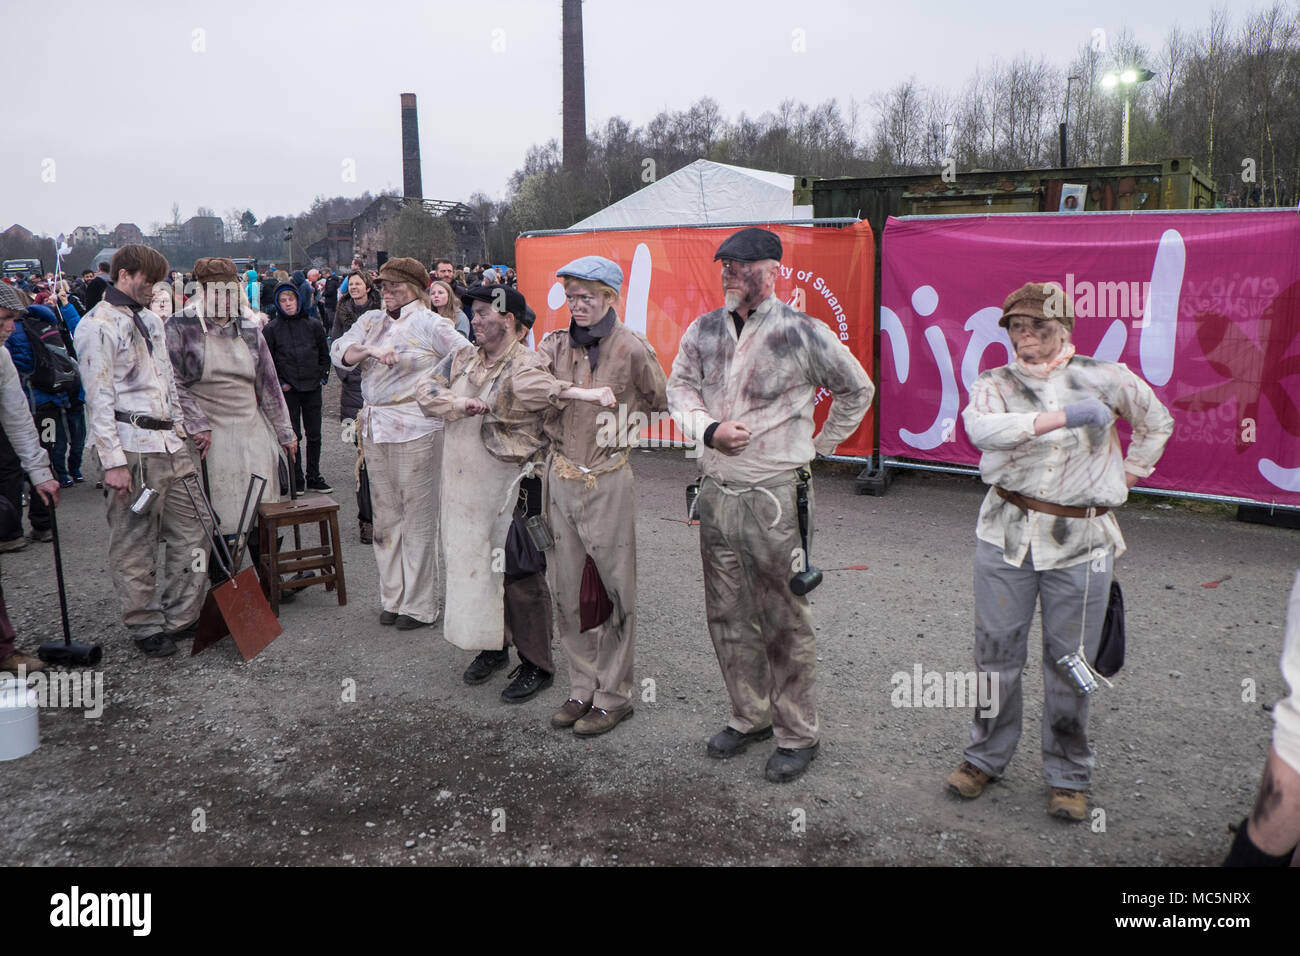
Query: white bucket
[{"x": 20, "y": 731}]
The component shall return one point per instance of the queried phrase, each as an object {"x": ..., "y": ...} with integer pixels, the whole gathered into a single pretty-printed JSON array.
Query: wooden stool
[{"x": 327, "y": 558}]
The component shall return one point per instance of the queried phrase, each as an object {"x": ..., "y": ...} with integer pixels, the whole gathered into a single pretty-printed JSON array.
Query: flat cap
[
  {"x": 750, "y": 245},
  {"x": 215, "y": 269},
  {"x": 9, "y": 298},
  {"x": 405, "y": 270},
  {"x": 1039, "y": 300},
  {"x": 594, "y": 269},
  {"x": 504, "y": 299}
]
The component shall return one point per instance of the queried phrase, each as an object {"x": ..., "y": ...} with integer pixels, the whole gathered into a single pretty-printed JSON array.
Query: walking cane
[{"x": 69, "y": 653}]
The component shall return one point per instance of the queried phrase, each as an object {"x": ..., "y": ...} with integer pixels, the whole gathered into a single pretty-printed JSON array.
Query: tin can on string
[
  {"x": 144, "y": 503},
  {"x": 1076, "y": 671}
]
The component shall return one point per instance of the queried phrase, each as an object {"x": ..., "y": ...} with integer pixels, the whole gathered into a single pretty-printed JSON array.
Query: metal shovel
[
  {"x": 69, "y": 653},
  {"x": 237, "y": 605}
]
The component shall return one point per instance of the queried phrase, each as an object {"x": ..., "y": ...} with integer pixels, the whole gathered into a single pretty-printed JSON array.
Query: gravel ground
[{"x": 208, "y": 760}]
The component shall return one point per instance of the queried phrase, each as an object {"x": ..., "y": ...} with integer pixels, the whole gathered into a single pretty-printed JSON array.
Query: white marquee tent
[{"x": 701, "y": 193}]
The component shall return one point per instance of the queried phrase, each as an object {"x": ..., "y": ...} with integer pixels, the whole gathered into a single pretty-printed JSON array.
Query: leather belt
[
  {"x": 144, "y": 421},
  {"x": 1025, "y": 503}
]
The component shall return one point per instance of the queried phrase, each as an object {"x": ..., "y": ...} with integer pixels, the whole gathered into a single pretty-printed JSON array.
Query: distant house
[
  {"x": 84, "y": 236},
  {"x": 205, "y": 231},
  {"x": 125, "y": 234},
  {"x": 19, "y": 233}
]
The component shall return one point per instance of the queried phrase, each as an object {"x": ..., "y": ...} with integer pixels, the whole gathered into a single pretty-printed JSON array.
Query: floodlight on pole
[{"x": 1128, "y": 79}]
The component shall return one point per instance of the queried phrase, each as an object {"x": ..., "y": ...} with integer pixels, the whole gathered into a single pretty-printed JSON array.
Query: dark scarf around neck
[{"x": 590, "y": 337}]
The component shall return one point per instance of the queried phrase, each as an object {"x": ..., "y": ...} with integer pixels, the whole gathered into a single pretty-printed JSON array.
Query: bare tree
[{"x": 900, "y": 131}]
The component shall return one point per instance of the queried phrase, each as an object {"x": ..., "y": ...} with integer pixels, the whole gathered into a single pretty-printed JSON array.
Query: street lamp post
[
  {"x": 1065, "y": 127},
  {"x": 1128, "y": 79}
]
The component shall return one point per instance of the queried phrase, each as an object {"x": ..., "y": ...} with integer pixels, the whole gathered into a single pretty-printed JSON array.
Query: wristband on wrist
[{"x": 708, "y": 434}]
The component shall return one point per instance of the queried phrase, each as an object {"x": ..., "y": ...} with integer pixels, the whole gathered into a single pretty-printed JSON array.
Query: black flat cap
[
  {"x": 750, "y": 245},
  {"x": 504, "y": 299}
]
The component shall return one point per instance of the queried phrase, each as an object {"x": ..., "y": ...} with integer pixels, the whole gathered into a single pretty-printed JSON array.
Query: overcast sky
[{"x": 131, "y": 106}]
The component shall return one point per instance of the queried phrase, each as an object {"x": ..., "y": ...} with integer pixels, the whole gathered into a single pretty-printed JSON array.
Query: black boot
[
  {"x": 485, "y": 665},
  {"x": 529, "y": 681}
]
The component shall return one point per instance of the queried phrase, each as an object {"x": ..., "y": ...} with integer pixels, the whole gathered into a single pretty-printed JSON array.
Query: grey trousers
[{"x": 1004, "y": 608}]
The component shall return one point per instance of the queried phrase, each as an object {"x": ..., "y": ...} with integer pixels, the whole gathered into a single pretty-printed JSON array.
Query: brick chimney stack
[{"x": 411, "y": 186}]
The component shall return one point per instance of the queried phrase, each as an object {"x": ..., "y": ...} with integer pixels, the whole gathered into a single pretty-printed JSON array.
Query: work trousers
[
  {"x": 1004, "y": 608},
  {"x": 597, "y": 520},
  {"x": 304, "y": 415},
  {"x": 762, "y": 631},
  {"x": 528, "y": 619},
  {"x": 405, "y": 482},
  {"x": 158, "y": 598}
]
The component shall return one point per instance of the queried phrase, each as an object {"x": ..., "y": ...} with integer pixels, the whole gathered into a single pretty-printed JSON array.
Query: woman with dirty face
[
  {"x": 1045, "y": 425},
  {"x": 493, "y": 397}
]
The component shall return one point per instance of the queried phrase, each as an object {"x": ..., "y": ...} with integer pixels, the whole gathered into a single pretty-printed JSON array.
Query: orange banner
[{"x": 670, "y": 279}]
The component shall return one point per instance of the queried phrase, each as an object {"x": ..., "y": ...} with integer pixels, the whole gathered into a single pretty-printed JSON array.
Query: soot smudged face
[{"x": 742, "y": 283}]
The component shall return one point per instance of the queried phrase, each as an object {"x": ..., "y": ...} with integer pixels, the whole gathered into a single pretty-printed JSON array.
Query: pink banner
[{"x": 1204, "y": 306}]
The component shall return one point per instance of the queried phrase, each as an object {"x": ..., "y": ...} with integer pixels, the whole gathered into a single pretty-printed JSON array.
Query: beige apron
[
  {"x": 243, "y": 442},
  {"x": 474, "y": 488}
]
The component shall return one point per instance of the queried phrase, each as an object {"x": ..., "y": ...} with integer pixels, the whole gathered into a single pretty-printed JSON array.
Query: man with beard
[{"x": 745, "y": 383}]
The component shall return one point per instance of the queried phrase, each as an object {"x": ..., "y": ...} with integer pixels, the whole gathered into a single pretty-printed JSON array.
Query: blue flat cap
[
  {"x": 750, "y": 245},
  {"x": 594, "y": 269}
]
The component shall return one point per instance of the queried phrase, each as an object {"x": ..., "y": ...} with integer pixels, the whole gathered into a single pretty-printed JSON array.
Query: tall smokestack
[
  {"x": 411, "y": 187},
  {"x": 575, "y": 94}
]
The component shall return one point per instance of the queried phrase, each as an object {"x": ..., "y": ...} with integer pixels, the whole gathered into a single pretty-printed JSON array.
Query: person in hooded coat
[{"x": 302, "y": 361}]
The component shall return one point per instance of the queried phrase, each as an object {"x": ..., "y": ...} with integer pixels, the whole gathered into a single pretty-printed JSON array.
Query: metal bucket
[{"x": 20, "y": 732}]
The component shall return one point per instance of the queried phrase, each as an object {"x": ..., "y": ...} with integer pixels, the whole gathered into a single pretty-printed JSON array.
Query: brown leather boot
[
  {"x": 568, "y": 715},
  {"x": 967, "y": 780},
  {"x": 1069, "y": 805},
  {"x": 600, "y": 721},
  {"x": 18, "y": 659}
]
